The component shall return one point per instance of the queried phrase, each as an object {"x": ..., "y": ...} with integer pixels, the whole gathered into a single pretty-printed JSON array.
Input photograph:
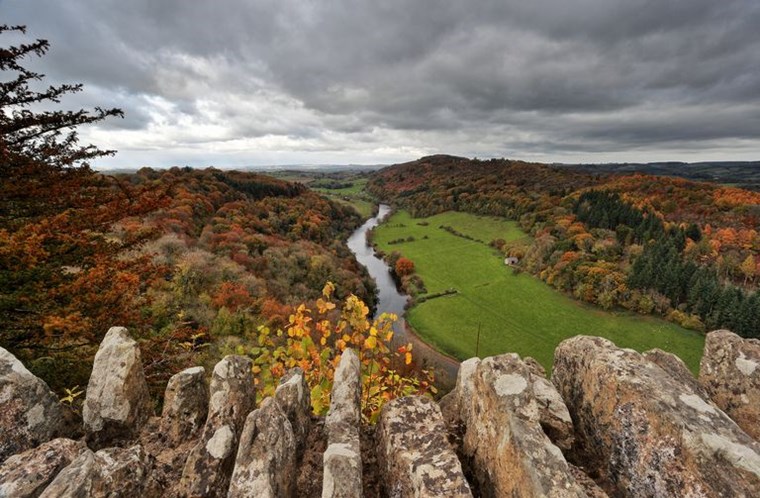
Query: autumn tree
[
  {"x": 64, "y": 276},
  {"x": 404, "y": 266},
  {"x": 748, "y": 268},
  {"x": 314, "y": 340}
]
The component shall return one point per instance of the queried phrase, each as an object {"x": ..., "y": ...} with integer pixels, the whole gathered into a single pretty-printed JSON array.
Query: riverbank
[{"x": 390, "y": 300}]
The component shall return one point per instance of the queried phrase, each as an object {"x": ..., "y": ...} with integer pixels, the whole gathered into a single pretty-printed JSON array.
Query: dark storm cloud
[{"x": 389, "y": 79}]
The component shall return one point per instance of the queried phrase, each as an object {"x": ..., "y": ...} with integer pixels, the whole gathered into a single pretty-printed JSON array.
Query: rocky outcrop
[
  {"x": 638, "y": 424},
  {"x": 342, "y": 459},
  {"x": 209, "y": 466},
  {"x": 109, "y": 473},
  {"x": 117, "y": 402},
  {"x": 266, "y": 459},
  {"x": 455, "y": 406},
  {"x": 27, "y": 474},
  {"x": 185, "y": 405},
  {"x": 730, "y": 373},
  {"x": 294, "y": 398},
  {"x": 644, "y": 432},
  {"x": 29, "y": 412},
  {"x": 677, "y": 369},
  {"x": 553, "y": 415},
  {"x": 415, "y": 457},
  {"x": 272, "y": 442},
  {"x": 510, "y": 453}
]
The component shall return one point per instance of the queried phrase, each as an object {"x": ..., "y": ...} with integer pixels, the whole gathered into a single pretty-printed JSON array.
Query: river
[{"x": 390, "y": 300}]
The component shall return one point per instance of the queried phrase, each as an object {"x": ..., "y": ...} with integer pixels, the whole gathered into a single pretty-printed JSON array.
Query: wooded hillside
[{"x": 687, "y": 250}]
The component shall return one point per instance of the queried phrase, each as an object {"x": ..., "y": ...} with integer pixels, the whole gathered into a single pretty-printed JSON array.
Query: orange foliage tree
[
  {"x": 404, "y": 266},
  {"x": 64, "y": 274}
]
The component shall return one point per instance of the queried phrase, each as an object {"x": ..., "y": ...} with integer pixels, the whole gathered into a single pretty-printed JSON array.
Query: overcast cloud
[{"x": 254, "y": 82}]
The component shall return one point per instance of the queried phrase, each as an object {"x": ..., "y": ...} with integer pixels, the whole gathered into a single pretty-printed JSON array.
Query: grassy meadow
[
  {"x": 514, "y": 312},
  {"x": 353, "y": 196}
]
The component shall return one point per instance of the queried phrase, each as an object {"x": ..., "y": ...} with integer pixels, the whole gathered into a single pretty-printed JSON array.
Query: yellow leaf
[
  {"x": 370, "y": 343},
  {"x": 373, "y": 331},
  {"x": 408, "y": 359},
  {"x": 328, "y": 289}
]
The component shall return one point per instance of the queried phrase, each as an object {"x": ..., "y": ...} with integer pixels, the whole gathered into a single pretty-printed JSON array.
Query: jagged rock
[
  {"x": 455, "y": 410},
  {"x": 342, "y": 459},
  {"x": 117, "y": 402},
  {"x": 510, "y": 453},
  {"x": 677, "y": 369},
  {"x": 644, "y": 432},
  {"x": 265, "y": 465},
  {"x": 29, "y": 412},
  {"x": 27, "y": 474},
  {"x": 415, "y": 457},
  {"x": 552, "y": 413},
  {"x": 185, "y": 405},
  {"x": 729, "y": 373},
  {"x": 109, "y": 473},
  {"x": 535, "y": 367},
  {"x": 209, "y": 466},
  {"x": 294, "y": 398}
]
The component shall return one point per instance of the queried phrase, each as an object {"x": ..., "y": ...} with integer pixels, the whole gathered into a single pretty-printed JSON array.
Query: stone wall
[{"x": 610, "y": 422}]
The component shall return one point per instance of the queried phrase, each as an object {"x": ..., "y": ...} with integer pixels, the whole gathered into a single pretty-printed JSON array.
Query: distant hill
[
  {"x": 268, "y": 168},
  {"x": 742, "y": 174}
]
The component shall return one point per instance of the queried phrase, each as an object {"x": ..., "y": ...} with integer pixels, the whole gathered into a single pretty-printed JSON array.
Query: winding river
[{"x": 391, "y": 301}]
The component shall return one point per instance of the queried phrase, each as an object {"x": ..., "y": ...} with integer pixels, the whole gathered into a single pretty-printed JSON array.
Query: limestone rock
[
  {"x": 117, "y": 402},
  {"x": 27, "y": 474},
  {"x": 677, "y": 369},
  {"x": 294, "y": 398},
  {"x": 29, "y": 412},
  {"x": 109, "y": 473},
  {"x": 647, "y": 434},
  {"x": 455, "y": 409},
  {"x": 342, "y": 463},
  {"x": 552, "y": 413},
  {"x": 415, "y": 457},
  {"x": 265, "y": 465},
  {"x": 510, "y": 453},
  {"x": 209, "y": 466},
  {"x": 185, "y": 405},
  {"x": 345, "y": 406},
  {"x": 76, "y": 480},
  {"x": 535, "y": 367},
  {"x": 730, "y": 374}
]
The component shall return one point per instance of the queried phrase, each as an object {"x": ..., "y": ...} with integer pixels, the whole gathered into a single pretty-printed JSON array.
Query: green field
[
  {"x": 515, "y": 313},
  {"x": 353, "y": 196}
]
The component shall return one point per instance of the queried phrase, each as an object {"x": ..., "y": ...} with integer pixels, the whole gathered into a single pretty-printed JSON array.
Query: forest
[{"x": 688, "y": 251}]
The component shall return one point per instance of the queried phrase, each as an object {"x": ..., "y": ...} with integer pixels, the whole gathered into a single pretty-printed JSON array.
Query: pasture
[{"x": 513, "y": 312}]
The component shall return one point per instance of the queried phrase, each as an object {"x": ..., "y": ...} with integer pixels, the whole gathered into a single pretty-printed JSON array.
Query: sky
[{"x": 234, "y": 83}]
